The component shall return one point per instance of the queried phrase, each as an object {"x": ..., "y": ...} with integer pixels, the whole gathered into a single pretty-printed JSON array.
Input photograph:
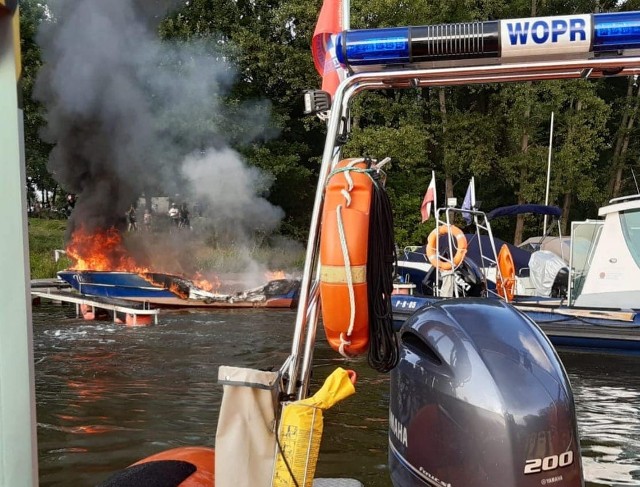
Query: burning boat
[
  {"x": 174, "y": 291},
  {"x": 103, "y": 267}
]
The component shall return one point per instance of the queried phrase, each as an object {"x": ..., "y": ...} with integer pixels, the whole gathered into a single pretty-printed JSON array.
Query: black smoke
[{"x": 125, "y": 109}]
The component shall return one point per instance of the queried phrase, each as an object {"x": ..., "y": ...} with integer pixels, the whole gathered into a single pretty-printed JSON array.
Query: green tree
[
  {"x": 32, "y": 13},
  {"x": 268, "y": 42}
]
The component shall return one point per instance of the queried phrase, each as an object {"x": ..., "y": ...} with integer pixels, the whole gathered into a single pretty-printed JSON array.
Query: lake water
[{"x": 108, "y": 396}]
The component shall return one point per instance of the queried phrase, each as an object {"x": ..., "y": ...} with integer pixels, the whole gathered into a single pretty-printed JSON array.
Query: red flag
[
  {"x": 323, "y": 46},
  {"x": 429, "y": 197}
]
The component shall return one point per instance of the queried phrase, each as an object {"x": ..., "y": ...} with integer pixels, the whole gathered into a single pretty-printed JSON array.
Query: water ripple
[{"x": 108, "y": 395}]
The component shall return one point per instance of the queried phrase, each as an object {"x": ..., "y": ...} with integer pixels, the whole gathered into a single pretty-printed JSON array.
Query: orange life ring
[
  {"x": 343, "y": 258},
  {"x": 506, "y": 278},
  {"x": 461, "y": 247},
  {"x": 191, "y": 466}
]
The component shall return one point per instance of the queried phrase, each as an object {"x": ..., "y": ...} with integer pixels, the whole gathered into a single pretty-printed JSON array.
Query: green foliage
[
  {"x": 234, "y": 260},
  {"x": 499, "y": 134},
  {"x": 45, "y": 236},
  {"x": 32, "y": 12}
]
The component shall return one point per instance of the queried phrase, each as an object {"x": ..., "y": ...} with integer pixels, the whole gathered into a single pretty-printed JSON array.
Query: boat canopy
[{"x": 520, "y": 209}]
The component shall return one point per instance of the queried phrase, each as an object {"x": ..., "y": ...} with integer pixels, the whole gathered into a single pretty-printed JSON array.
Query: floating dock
[{"x": 135, "y": 313}]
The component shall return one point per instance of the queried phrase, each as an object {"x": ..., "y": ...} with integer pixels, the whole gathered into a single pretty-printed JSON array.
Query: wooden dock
[{"x": 131, "y": 310}]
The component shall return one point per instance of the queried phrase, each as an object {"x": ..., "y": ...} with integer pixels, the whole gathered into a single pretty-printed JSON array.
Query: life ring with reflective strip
[
  {"x": 506, "y": 280},
  {"x": 343, "y": 257},
  {"x": 461, "y": 247}
]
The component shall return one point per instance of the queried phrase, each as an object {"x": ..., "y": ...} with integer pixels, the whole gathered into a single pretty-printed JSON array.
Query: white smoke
[{"x": 233, "y": 191}]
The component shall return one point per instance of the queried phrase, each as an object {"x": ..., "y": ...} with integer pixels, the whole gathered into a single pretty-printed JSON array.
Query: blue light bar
[
  {"x": 565, "y": 36},
  {"x": 375, "y": 46},
  {"x": 616, "y": 31},
  {"x": 403, "y": 45}
]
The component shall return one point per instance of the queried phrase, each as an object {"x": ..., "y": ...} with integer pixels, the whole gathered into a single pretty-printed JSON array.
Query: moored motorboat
[{"x": 593, "y": 302}]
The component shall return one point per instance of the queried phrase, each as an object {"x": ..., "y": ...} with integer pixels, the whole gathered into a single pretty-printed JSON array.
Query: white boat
[{"x": 591, "y": 300}]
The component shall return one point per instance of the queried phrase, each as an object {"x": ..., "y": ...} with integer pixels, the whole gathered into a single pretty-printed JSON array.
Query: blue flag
[{"x": 469, "y": 202}]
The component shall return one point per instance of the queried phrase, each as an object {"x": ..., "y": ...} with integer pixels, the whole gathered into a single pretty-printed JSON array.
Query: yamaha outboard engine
[{"x": 480, "y": 399}]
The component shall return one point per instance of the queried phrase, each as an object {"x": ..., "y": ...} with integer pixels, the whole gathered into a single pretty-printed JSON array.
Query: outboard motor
[
  {"x": 480, "y": 399},
  {"x": 560, "y": 286},
  {"x": 468, "y": 278}
]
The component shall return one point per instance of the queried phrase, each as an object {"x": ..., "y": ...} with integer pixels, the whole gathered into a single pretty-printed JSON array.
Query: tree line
[{"x": 498, "y": 134}]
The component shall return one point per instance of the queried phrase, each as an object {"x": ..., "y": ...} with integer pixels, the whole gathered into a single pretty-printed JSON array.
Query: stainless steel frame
[{"x": 299, "y": 366}]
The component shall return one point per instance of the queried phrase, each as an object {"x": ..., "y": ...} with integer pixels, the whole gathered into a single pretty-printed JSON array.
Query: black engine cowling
[
  {"x": 480, "y": 399},
  {"x": 467, "y": 277}
]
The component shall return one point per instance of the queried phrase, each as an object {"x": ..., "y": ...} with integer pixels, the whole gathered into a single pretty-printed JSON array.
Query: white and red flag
[
  {"x": 323, "y": 45},
  {"x": 429, "y": 198}
]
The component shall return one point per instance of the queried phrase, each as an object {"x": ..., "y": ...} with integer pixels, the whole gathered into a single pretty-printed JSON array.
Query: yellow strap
[{"x": 334, "y": 274}]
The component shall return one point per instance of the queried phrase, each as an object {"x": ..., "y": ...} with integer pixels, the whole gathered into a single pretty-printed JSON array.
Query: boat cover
[
  {"x": 543, "y": 269},
  {"x": 559, "y": 246},
  {"x": 520, "y": 209}
]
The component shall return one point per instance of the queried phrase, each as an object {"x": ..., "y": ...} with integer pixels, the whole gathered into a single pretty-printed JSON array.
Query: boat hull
[
  {"x": 583, "y": 328},
  {"x": 117, "y": 285},
  {"x": 155, "y": 290}
]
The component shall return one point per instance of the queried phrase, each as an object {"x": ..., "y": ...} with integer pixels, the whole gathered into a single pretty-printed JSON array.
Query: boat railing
[
  {"x": 404, "y": 77},
  {"x": 622, "y": 199},
  {"x": 488, "y": 257}
]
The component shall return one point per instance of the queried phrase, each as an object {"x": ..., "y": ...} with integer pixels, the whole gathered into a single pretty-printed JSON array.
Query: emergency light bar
[{"x": 567, "y": 35}]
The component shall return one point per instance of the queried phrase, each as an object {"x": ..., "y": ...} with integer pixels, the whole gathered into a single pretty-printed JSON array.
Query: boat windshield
[
  {"x": 630, "y": 222},
  {"x": 584, "y": 239}
]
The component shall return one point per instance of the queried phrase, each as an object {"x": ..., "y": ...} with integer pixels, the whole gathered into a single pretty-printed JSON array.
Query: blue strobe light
[
  {"x": 616, "y": 31},
  {"x": 565, "y": 35}
]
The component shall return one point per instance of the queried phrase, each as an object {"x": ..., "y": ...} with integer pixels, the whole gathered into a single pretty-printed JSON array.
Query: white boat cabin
[{"x": 605, "y": 257}]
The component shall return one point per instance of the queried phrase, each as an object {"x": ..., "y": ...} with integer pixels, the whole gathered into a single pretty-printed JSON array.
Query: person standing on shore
[{"x": 131, "y": 219}]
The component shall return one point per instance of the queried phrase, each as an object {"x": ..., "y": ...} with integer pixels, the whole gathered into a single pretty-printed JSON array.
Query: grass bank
[{"x": 45, "y": 236}]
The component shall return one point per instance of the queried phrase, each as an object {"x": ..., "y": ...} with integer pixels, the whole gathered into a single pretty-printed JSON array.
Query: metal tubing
[
  {"x": 498, "y": 73},
  {"x": 546, "y": 194},
  {"x": 346, "y": 14},
  {"x": 310, "y": 341},
  {"x": 310, "y": 261},
  {"x": 308, "y": 305}
]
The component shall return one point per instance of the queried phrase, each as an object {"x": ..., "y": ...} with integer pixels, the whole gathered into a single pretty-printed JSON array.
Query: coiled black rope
[{"x": 383, "y": 343}]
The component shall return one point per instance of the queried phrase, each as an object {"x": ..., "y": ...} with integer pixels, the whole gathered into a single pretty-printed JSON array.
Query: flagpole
[
  {"x": 435, "y": 198},
  {"x": 546, "y": 198},
  {"x": 346, "y": 14},
  {"x": 473, "y": 193}
]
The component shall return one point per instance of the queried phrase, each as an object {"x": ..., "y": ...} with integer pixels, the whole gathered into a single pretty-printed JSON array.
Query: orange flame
[
  {"x": 206, "y": 284},
  {"x": 104, "y": 251},
  {"x": 273, "y": 275},
  {"x": 100, "y": 251}
]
